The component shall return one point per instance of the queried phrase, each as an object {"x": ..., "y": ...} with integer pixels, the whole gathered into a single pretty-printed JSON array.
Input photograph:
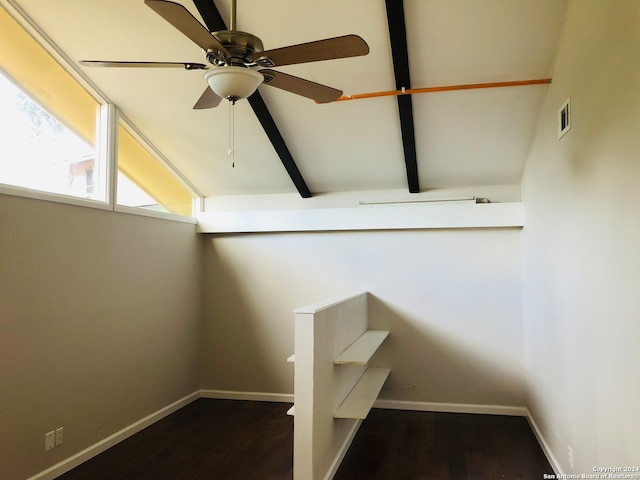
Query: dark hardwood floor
[
  {"x": 242, "y": 440},
  {"x": 207, "y": 439},
  {"x": 410, "y": 445}
]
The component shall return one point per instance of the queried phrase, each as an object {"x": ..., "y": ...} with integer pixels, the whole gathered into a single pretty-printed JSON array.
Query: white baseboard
[
  {"x": 452, "y": 408},
  {"x": 333, "y": 469},
  {"x": 544, "y": 445},
  {"x": 255, "y": 396},
  {"x": 388, "y": 404},
  {"x": 106, "y": 443}
]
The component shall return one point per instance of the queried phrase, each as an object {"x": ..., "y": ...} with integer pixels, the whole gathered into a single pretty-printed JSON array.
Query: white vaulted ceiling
[{"x": 463, "y": 138}]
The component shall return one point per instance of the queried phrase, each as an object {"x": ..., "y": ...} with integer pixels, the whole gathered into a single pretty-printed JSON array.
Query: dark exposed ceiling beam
[
  {"x": 398, "y": 37},
  {"x": 271, "y": 129},
  {"x": 214, "y": 22},
  {"x": 210, "y": 14}
]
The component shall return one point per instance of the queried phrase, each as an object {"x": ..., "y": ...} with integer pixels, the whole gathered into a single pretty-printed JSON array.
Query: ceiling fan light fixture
[{"x": 233, "y": 82}]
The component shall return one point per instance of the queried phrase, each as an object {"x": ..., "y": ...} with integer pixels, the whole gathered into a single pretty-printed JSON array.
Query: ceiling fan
[{"x": 237, "y": 62}]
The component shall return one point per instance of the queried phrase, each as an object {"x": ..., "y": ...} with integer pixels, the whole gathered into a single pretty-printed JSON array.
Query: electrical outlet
[
  {"x": 49, "y": 440},
  {"x": 570, "y": 457},
  {"x": 59, "y": 436}
]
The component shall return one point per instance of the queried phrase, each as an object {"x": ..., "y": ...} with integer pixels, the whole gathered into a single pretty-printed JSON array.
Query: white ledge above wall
[{"x": 378, "y": 217}]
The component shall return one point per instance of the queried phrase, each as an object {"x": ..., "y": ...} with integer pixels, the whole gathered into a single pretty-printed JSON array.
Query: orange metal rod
[{"x": 447, "y": 88}]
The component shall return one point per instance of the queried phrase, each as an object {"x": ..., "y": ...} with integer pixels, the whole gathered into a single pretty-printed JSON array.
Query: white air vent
[{"x": 564, "y": 118}]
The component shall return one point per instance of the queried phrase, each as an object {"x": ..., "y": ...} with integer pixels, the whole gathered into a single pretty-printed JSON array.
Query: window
[
  {"x": 48, "y": 122},
  {"x": 144, "y": 182},
  {"x": 38, "y": 152},
  {"x": 48, "y": 131}
]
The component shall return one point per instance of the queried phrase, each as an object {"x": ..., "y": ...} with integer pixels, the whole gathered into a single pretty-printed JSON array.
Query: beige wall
[
  {"x": 99, "y": 318},
  {"x": 581, "y": 244},
  {"x": 451, "y": 298}
]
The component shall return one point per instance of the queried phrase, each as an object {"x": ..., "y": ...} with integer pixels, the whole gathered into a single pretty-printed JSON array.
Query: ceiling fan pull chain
[{"x": 231, "y": 151}]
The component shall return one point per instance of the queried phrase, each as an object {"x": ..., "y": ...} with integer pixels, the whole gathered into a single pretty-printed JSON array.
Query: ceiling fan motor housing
[{"x": 239, "y": 44}]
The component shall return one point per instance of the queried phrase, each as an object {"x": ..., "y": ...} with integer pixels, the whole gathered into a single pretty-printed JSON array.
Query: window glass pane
[
  {"x": 140, "y": 173},
  {"x": 37, "y": 151},
  {"x": 132, "y": 195},
  {"x": 47, "y": 121}
]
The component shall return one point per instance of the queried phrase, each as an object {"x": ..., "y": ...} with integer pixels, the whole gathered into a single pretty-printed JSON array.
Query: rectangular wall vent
[{"x": 564, "y": 118}]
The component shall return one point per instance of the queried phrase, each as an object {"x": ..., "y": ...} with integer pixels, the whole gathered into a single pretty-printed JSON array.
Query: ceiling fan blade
[
  {"x": 106, "y": 63},
  {"x": 178, "y": 16},
  {"x": 327, "y": 49},
  {"x": 300, "y": 86},
  {"x": 208, "y": 99}
]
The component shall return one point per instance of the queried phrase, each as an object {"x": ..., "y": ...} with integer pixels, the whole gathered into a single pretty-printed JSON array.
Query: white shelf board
[
  {"x": 361, "y": 351},
  {"x": 402, "y": 217},
  {"x": 363, "y": 395}
]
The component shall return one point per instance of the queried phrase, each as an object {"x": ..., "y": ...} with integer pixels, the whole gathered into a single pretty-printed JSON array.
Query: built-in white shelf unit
[{"x": 334, "y": 386}]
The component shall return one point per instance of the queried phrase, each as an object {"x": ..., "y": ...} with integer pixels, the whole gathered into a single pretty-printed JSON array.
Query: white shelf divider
[
  {"x": 361, "y": 398},
  {"x": 334, "y": 387},
  {"x": 361, "y": 351}
]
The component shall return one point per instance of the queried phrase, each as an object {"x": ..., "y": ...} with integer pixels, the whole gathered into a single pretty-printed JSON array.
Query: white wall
[
  {"x": 581, "y": 244},
  {"x": 451, "y": 298},
  {"x": 99, "y": 318}
]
